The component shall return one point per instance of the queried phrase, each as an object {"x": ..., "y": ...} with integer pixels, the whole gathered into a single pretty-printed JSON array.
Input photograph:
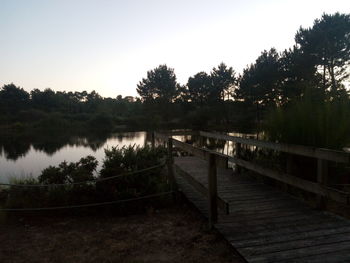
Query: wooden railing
[
  {"x": 323, "y": 156},
  {"x": 214, "y": 160}
]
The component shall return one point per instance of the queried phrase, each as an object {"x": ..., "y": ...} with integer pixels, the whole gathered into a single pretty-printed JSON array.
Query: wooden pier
[{"x": 263, "y": 223}]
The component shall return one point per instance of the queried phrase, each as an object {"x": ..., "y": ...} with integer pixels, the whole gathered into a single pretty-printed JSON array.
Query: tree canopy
[{"x": 159, "y": 84}]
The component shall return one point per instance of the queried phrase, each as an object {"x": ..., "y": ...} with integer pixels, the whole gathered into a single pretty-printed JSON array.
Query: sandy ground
[{"x": 176, "y": 234}]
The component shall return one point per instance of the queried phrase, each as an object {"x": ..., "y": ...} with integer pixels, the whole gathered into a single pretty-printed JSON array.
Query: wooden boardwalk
[{"x": 264, "y": 224}]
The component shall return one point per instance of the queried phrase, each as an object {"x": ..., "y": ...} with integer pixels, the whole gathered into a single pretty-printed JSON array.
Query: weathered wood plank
[
  {"x": 222, "y": 204},
  {"x": 331, "y": 257},
  {"x": 341, "y": 197},
  {"x": 202, "y": 153},
  {"x": 296, "y": 254},
  {"x": 264, "y": 248},
  {"x": 233, "y": 234},
  {"x": 266, "y": 225},
  {"x": 276, "y": 239},
  {"x": 319, "y": 153}
]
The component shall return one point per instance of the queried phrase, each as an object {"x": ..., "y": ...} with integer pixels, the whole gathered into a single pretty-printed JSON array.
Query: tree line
[
  {"x": 318, "y": 61},
  {"x": 317, "y": 64}
]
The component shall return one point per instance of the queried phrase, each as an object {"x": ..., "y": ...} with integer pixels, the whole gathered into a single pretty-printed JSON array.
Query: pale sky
[{"x": 109, "y": 45}]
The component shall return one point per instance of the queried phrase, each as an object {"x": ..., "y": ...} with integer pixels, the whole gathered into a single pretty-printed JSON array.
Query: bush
[
  {"x": 117, "y": 161},
  {"x": 70, "y": 173},
  {"x": 128, "y": 159}
]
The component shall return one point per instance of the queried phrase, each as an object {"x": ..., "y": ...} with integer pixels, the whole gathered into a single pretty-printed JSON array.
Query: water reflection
[
  {"x": 28, "y": 154},
  {"x": 220, "y": 146}
]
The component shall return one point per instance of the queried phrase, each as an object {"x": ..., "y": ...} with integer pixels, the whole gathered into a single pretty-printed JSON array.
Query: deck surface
[{"x": 265, "y": 224}]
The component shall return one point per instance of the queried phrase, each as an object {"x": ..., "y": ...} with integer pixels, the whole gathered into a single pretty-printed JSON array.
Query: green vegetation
[
  {"x": 311, "y": 121},
  {"x": 78, "y": 179}
]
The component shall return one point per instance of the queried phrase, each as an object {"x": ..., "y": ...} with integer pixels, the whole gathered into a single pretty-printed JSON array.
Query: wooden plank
[
  {"x": 322, "y": 179},
  {"x": 331, "y": 257},
  {"x": 338, "y": 196},
  {"x": 222, "y": 204},
  {"x": 182, "y": 133},
  {"x": 319, "y": 153},
  {"x": 195, "y": 184},
  {"x": 196, "y": 151},
  {"x": 266, "y": 222},
  {"x": 295, "y": 254},
  {"x": 212, "y": 190},
  {"x": 170, "y": 165},
  {"x": 233, "y": 234},
  {"x": 264, "y": 248},
  {"x": 279, "y": 224},
  {"x": 276, "y": 239},
  {"x": 221, "y": 159},
  {"x": 269, "y": 216}
]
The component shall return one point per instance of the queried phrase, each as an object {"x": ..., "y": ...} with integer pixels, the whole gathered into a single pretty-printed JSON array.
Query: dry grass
[{"x": 176, "y": 234}]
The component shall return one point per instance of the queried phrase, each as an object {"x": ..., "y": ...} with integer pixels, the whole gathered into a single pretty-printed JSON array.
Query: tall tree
[
  {"x": 160, "y": 84},
  {"x": 13, "y": 98},
  {"x": 298, "y": 73},
  {"x": 223, "y": 79},
  {"x": 199, "y": 88},
  {"x": 260, "y": 82},
  {"x": 327, "y": 44}
]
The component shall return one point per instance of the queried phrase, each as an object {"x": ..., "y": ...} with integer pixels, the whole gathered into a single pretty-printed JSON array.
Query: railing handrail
[
  {"x": 316, "y": 188},
  {"x": 318, "y": 153}
]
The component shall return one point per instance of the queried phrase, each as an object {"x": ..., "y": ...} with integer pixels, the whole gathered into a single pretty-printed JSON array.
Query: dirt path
[{"x": 176, "y": 234}]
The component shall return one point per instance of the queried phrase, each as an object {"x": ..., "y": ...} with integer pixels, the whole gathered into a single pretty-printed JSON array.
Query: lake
[
  {"x": 20, "y": 157},
  {"x": 28, "y": 155}
]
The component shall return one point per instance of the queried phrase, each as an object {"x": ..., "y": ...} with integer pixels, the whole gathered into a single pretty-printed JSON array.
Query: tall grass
[{"x": 311, "y": 121}]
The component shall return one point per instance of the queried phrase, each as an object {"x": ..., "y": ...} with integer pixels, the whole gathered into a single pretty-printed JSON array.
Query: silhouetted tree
[
  {"x": 199, "y": 88},
  {"x": 160, "y": 84},
  {"x": 223, "y": 79},
  {"x": 260, "y": 82},
  {"x": 298, "y": 74},
  {"x": 13, "y": 98},
  {"x": 327, "y": 45}
]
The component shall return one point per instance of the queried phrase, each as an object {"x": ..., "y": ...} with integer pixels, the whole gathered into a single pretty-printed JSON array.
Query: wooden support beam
[
  {"x": 316, "y": 188},
  {"x": 153, "y": 140},
  {"x": 238, "y": 155},
  {"x": 222, "y": 204},
  {"x": 319, "y": 153},
  {"x": 212, "y": 190},
  {"x": 322, "y": 179},
  {"x": 170, "y": 165}
]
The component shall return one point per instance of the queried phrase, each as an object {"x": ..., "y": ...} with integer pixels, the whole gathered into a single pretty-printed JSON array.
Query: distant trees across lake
[{"x": 264, "y": 95}]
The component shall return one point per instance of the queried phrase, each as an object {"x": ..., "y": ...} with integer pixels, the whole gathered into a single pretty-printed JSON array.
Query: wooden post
[
  {"x": 201, "y": 141},
  {"x": 212, "y": 190},
  {"x": 170, "y": 162},
  {"x": 238, "y": 155},
  {"x": 153, "y": 140},
  {"x": 322, "y": 179},
  {"x": 289, "y": 169}
]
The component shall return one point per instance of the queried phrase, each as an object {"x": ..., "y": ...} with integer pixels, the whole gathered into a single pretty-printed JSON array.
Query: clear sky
[{"x": 109, "y": 45}]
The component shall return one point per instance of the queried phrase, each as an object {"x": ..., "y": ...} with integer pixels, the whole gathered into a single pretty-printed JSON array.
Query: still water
[{"x": 22, "y": 156}]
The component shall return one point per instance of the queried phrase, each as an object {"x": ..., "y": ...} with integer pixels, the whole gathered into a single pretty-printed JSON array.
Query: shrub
[
  {"x": 128, "y": 159},
  {"x": 117, "y": 161},
  {"x": 70, "y": 172}
]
